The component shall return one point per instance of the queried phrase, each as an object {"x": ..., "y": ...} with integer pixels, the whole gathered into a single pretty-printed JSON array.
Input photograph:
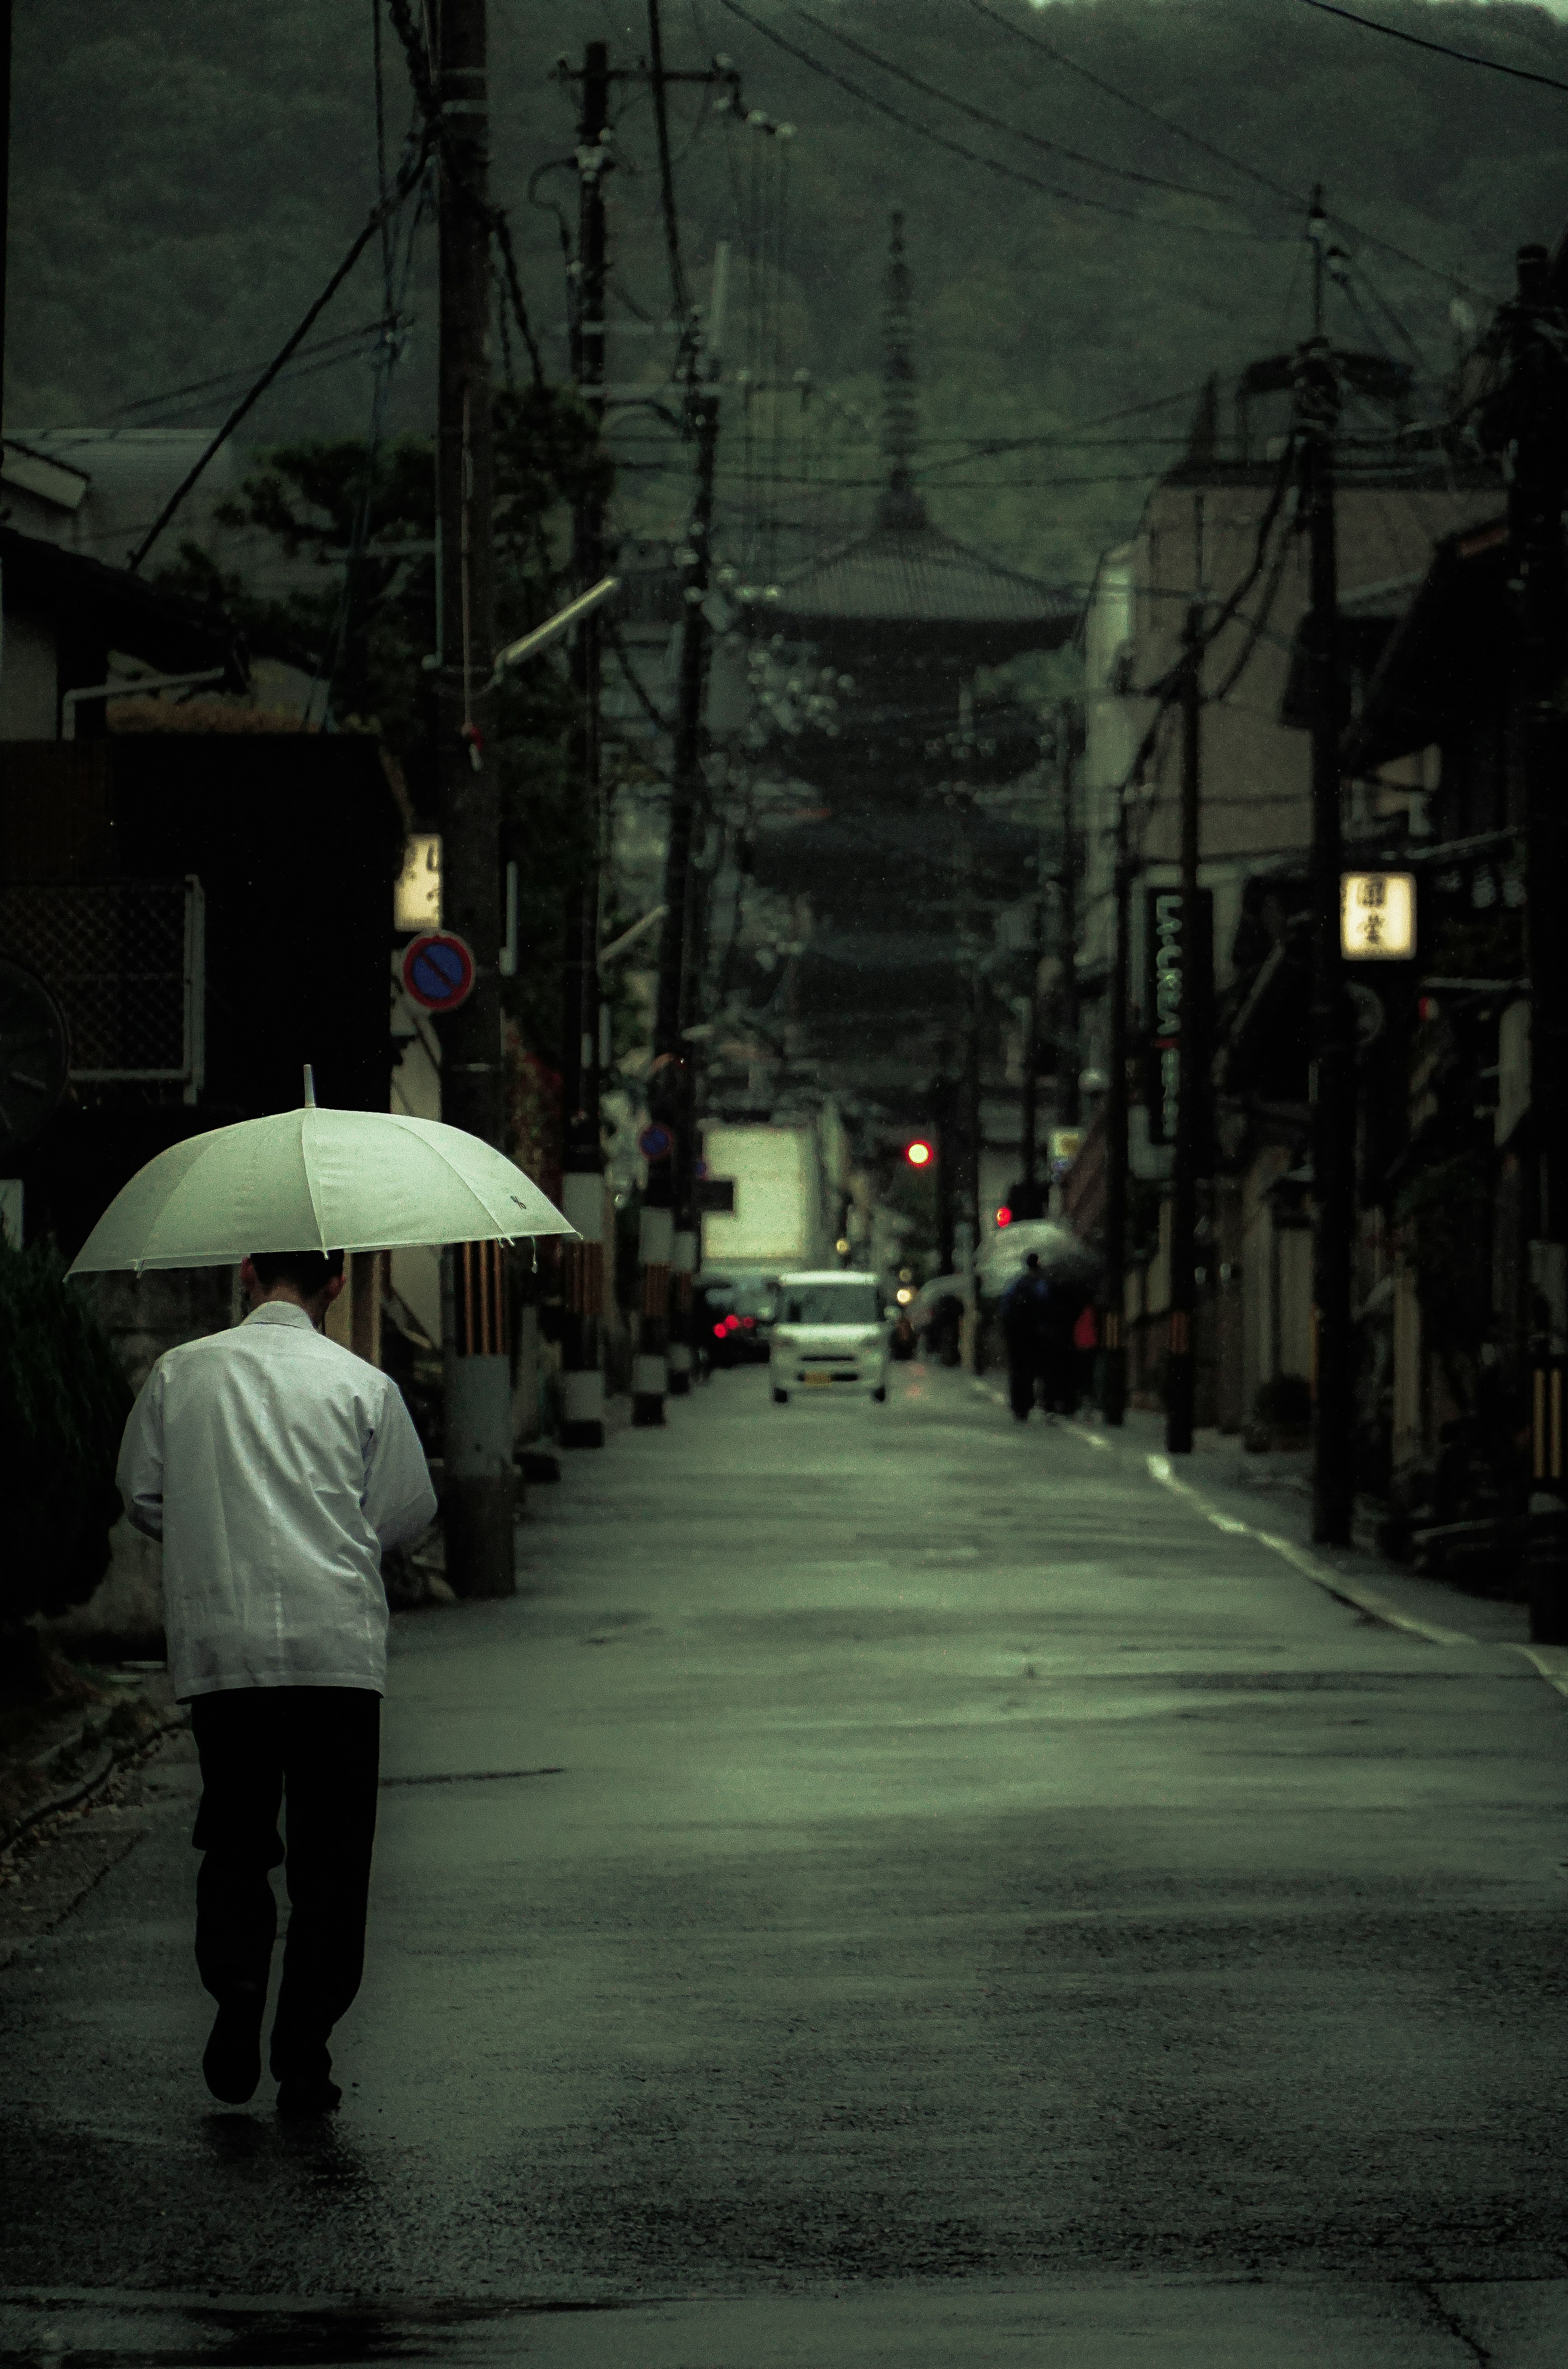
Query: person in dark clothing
[
  {"x": 1063, "y": 1304},
  {"x": 1022, "y": 1320}
]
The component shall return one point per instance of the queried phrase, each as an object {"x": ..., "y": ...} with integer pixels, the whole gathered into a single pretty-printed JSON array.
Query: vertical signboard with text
[{"x": 1169, "y": 945}]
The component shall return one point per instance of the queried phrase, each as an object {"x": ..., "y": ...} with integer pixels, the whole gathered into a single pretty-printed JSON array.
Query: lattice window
[{"x": 125, "y": 960}]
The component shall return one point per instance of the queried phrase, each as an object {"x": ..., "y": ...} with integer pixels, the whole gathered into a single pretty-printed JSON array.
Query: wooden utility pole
[
  {"x": 670, "y": 1108},
  {"x": 582, "y": 1183},
  {"x": 5, "y": 174},
  {"x": 480, "y": 1477},
  {"x": 1180, "y": 1358},
  {"x": 1113, "y": 1368},
  {"x": 1332, "y": 1074},
  {"x": 1069, "y": 1063},
  {"x": 1535, "y": 423}
]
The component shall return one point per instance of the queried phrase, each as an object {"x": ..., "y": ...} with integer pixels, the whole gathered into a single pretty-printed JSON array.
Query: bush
[
  {"x": 1285, "y": 1403},
  {"x": 64, "y": 1401}
]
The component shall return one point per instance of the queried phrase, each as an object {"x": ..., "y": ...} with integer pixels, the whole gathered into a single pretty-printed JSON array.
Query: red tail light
[
  {"x": 748, "y": 1324},
  {"x": 718, "y": 1331}
]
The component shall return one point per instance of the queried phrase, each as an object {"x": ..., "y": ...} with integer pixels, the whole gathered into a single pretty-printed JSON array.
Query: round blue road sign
[
  {"x": 656, "y": 1142},
  {"x": 438, "y": 970}
]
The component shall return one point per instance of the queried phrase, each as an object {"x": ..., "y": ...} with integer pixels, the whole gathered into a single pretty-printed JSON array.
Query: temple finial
[{"x": 900, "y": 506}]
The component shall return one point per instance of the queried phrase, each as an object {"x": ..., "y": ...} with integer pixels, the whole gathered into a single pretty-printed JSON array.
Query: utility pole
[
  {"x": 1068, "y": 1065},
  {"x": 5, "y": 174},
  {"x": 1536, "y": 421},
  {"x": 1180, "y": 1359},
  {"x": 1333, "y": 1078},
  {"x": 1113, "y": 1370},
  {"x": 479, "y": 1503},
  {"x": 668, "y": 1087},
  {"x": 582, "y": 1183},
  {"x": 1029, "y": 1093}
]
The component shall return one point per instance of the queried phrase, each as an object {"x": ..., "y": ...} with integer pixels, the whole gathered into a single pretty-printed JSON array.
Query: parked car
[
  {"x": 735, "y": 1315},
  {"x": 831, "y": 1336}
]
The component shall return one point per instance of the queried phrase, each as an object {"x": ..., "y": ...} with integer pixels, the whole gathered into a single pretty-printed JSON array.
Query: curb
[
  {"x": 1548, "y": 1662},
  {"x": 73, "y": 1788}
]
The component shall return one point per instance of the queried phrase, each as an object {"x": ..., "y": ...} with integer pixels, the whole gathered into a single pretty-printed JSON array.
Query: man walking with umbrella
[
  {"x": 1023, "y": 1330},
  {"x": 276, "y": 1467}
]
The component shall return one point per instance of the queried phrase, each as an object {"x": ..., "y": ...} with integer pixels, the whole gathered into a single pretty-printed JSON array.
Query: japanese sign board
[
  {"x": 417, "y": 899},
  {"x": 1171, "y": 946},
  {"x": 1376, "y": 916}
]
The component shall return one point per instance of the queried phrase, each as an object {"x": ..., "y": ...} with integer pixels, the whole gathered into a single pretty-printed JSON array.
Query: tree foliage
[
  {"x": 183, "y": 178},
  {"x": 360, "y": 525},
  {"x": 63, "y": 1401}
]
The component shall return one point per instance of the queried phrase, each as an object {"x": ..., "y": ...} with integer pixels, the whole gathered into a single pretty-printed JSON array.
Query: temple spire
[{"x": 900, "y": 506}]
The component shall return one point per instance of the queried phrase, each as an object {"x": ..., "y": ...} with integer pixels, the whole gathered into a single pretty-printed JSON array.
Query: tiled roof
[{"x": 918, "y": 576}]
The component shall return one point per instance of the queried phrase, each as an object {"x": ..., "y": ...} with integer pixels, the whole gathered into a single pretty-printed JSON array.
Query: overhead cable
[
  {"x": 1196, "y": 139},
  {"x": 971, "y": 155},
  {"x": 1439, "y": 48},
  {"x": 996, "y": 123},
  {"x": 407, "y": 179}
]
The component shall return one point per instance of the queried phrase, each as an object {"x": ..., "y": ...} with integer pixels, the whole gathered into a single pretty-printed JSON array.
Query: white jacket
[{"x": 275, "y": 1466}]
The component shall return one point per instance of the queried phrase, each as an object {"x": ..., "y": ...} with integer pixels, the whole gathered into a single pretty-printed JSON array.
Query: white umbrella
[
  {"x": 1058, "y": 1249},
  {"x": 318, "y": 1180}
]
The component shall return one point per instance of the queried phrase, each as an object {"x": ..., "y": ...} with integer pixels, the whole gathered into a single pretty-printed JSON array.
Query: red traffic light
[
  {"x": 918, "y": 1154},
  {"x": 1005, "y": 1217}
]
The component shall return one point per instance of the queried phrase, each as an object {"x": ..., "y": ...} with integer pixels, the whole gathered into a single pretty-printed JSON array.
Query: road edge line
[{"x": 1333, "y": 1582}]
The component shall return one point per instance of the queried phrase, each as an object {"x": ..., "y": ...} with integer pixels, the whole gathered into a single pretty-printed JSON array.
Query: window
[{"x": 832, "y": 1303}]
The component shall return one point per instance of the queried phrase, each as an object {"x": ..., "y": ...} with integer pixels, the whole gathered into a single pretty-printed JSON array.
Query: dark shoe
[
  {"x": 232, "y": 2060},
  {"x": 298, "y": 2099}
]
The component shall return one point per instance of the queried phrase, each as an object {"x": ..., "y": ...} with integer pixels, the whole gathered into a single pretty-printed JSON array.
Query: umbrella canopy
[
  {"x": 1059, "y": 1251},
  {"x": 316, "y": 1180}
]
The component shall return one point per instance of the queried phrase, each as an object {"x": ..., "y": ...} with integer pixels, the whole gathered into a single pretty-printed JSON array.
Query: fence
[{"x": 126, "y": 962}]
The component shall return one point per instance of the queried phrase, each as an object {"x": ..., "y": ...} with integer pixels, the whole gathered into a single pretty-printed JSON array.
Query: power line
[
  {"x": 1439, "y": 48},
  {"x": 970, "y": 155},
  {"x": 340, "y": 348},
  {"x": 1196, "y": 139},
  {"x": 995, "y": 123},
  {"x": 407, "y": 178},
  {"x": 677, "y": 295}
]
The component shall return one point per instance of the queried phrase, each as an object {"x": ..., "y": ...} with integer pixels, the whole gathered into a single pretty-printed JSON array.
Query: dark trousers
[
  {"x": 1023, "y": 1372},
  {"x": 319, "y": 1749}
]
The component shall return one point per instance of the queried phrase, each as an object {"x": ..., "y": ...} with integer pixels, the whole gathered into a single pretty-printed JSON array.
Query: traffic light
[{"x": 919, "y": 1153}]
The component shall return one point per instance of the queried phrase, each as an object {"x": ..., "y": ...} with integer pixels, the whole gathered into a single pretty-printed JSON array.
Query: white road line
[
  {"x": 1351, "y": 1592},
  {"x": 988, "y": 1390},
  {"x": 1550, "y": 1660}
]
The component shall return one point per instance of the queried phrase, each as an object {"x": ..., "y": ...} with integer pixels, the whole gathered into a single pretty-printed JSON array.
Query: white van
[{"x": 829, "y": 1336}]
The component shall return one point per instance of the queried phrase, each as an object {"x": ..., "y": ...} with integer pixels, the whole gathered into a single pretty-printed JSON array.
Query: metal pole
[
  {"x": 1333, "y": 1077},
  {"x": 1180, "y": 1359},
  {"x": 582, "y": 1183},
  {"x": 480, "y": 1478}
]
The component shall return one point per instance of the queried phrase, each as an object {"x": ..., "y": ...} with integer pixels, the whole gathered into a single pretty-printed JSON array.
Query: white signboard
[
  {"x": 417, "y": 899},
  {"x": 1376, "y": 916}
]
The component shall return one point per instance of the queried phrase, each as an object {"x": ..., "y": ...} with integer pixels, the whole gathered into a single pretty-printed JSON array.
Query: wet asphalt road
[{"x": 895, "y": 1888}]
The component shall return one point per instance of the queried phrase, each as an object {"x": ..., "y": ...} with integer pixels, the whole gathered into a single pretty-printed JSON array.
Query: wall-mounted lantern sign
[
  {"x": 417, "y": 899},
  {"x": 1376, "y": 916}
]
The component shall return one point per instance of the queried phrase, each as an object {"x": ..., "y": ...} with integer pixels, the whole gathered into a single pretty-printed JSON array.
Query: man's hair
[
  {"x": 309, "y": 1271},
  {"x": 1033, "y": 1259}
]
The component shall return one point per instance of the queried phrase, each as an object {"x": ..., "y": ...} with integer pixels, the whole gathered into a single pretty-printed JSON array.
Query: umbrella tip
[{"x": 310, "y": 1087}]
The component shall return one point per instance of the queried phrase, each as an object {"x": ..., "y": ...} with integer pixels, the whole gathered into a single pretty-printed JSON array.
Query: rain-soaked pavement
[{"x": 895, "y": 1888}]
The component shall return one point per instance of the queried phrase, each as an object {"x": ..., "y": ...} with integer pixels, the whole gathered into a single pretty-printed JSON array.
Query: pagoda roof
[{"x": 915, "y": 576}]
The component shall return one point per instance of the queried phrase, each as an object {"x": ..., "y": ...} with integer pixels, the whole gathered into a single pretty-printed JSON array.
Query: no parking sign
[{"x": 438, "y": 970}]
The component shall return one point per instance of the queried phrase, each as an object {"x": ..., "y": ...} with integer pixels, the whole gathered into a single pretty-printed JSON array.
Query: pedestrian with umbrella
[
  {"x": 1023, "y": 1330},
  {"x": 277, "y": 1467}
]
